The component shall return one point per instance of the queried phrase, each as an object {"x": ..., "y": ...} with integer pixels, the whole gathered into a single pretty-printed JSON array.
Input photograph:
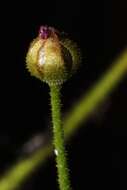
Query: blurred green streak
[
  {"x": 78, "y": 114},
  {"x": 99, "y": 92},
  {"x": 20, "y": 171}
]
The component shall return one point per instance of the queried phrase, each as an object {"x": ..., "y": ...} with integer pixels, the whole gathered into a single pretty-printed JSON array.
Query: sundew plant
[{"x": 53, "y": 59}]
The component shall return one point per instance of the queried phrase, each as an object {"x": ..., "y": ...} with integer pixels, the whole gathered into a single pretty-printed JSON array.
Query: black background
[{"x": 97, "y": 153}]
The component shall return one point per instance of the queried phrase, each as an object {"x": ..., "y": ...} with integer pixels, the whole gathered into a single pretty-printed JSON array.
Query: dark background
[{"x": 97, "y": 153}]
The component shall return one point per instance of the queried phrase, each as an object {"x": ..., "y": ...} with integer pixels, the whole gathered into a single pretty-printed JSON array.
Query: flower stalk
[
  {"x": 53, "y": 60},
  {"x": 59, "y": 144}
]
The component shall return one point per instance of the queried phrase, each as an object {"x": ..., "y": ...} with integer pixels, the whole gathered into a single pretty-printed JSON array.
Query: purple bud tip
[{"x": 45, "y": 32}]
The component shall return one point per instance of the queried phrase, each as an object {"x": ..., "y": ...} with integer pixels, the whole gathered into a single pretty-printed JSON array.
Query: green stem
[{"x": 59, "y": 146}]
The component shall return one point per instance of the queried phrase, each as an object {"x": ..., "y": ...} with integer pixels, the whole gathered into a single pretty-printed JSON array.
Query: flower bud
[{"x": 52, "y": 59}]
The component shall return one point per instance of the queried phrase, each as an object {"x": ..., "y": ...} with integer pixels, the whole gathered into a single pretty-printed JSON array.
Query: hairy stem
[{"x": 59, "y": 146}]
